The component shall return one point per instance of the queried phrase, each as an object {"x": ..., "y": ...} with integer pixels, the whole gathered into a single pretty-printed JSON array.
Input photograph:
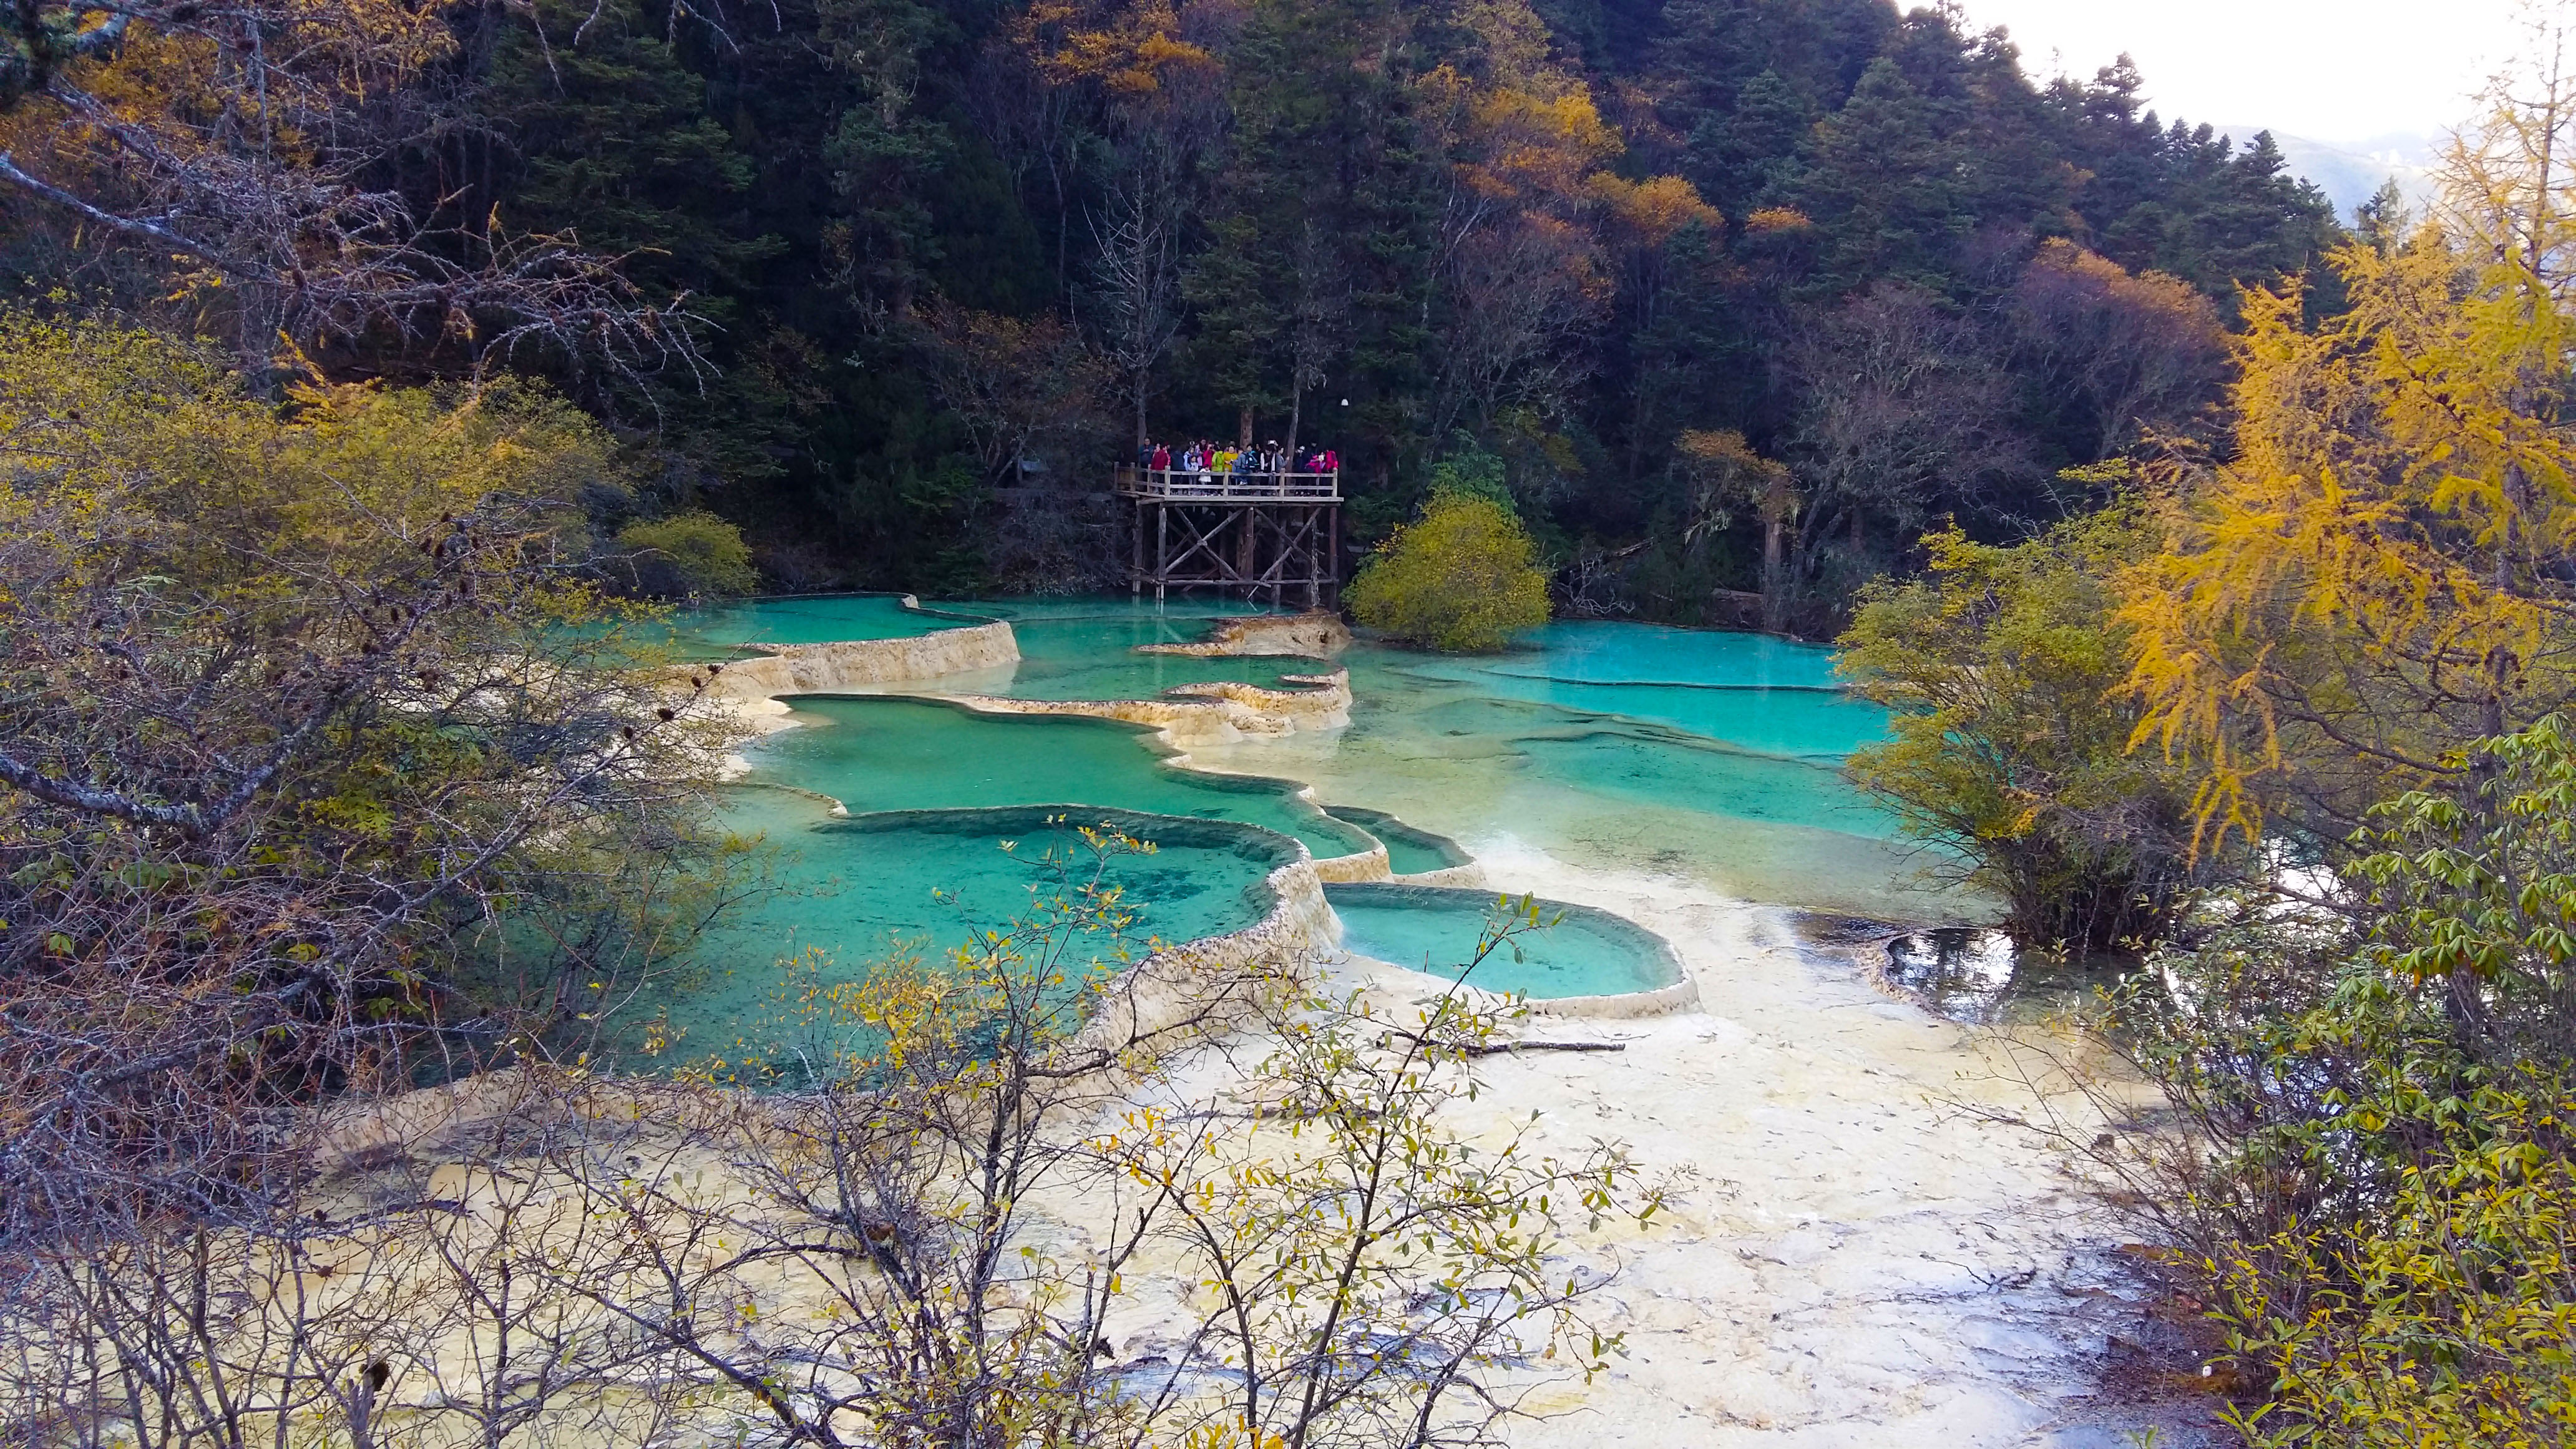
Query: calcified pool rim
[
  {"x": 1676, "y": 991},
  {"x": 1391, "y": 832}
]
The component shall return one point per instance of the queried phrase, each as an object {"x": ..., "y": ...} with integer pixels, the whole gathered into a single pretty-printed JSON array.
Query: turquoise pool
[
  {"x": 1717, "y": 760},
  {"x": 1069, "y": 649},
  {"x": 886, "y": 752},
  {"x": 865, "y": 890},
  {"x": 1087, "y": 649},
  {"x": 1709, "y": 757},
  {"x": 824, "y": 619},
  {"x": 1434, "y": 930}
]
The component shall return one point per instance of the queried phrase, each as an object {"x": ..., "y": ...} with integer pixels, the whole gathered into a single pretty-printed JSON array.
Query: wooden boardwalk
[{"x": 1258, "y": 535}]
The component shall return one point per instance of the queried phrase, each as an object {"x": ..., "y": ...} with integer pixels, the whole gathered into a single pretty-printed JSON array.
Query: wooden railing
[{"x": 1209, "y": 486}]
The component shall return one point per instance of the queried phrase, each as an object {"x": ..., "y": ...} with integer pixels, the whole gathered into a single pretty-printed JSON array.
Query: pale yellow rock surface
[
  {"x": 1849, "y": 1261},
  {"x": 1317, "y": 635},
  {"x": 1220, "y": 712},
  {"x": 859, "y": 663},
  {"x": 1855, "y": 1263}
]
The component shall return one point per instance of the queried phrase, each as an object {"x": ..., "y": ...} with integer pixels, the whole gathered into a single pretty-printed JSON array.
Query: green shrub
[
  {"x": 686, "y": 554},
  {"x": 1463, "y": 577},
  {"x": 2373, "y": 1188},
  {"x": 2006, "y": 743}
]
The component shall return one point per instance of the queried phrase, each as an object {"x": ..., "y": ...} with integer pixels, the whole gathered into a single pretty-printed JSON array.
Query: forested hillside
[{"x": 1743, "y": 294}]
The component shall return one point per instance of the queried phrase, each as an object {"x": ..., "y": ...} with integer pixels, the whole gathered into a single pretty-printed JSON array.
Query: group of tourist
[{"x": 1210, "y": 460}]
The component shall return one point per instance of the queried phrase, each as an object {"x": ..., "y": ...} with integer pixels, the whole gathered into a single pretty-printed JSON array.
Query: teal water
[
  {"x": 1717, "y": 762},
  {"x": 1408, "y": 851},
  {"x": 1087, "y": 649},
  {"x": 891, "y": 753},
  {"x": 869, "y": 889},
  {"x": 1712, "y": 758},
  {"x": 1594, "y": 651},
  {"x": 1069, "y": 648},
  {"x": 1586, "y": 952},
  {"x": 1762, "y": 695},
  {"x": 726, "y": 628}
]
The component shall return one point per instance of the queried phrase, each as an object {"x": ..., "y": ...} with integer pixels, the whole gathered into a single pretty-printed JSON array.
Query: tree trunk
[
  {"x": 1243, "y": 426},
  {"x": 1774, "y": 605}
]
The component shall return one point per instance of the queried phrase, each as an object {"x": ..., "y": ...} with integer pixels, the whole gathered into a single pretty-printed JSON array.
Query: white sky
[{"x": 2328, "y": 70}]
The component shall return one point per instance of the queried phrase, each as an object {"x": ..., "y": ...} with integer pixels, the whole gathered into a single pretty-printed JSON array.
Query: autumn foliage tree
[
  {"x": 2354, "y": 652},
  {"x": 2007, "y": 744},
  {"x": 1577, "y": 236},
  {"x": 990, "y": 1216},
  {"x": 2379, "y": 569},
  {"x": 240, "y": 149},
  {"x": 319, "y": 759},
  {"x": 1462, "y": 577},
  {"x": 2138, "y": 351}
]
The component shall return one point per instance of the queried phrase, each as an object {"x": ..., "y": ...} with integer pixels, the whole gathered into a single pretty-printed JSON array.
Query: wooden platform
[
  {"x": 1178, "y": 486},
  {"x": 1256, "y": 535}
]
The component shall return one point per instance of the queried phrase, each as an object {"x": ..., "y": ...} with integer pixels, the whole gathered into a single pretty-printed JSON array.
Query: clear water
[
  {"x": 891, "y": 753},
  {"x": 1980, "y": 976},
  {"x": 1762, "y": 695},
  {"x": 1426, "y": 928},
  {"x": 1607, "y": 652},
  {"x": 1718, "y": 762},
  {"x": 1069, "y": 648},
  {"x": 870, "y": 889},
  {"x": 726, "y": 628},
  {"x": 1711, "y": 756},
  {"x": 1705, "y": 757},
  {"x": 1087, "y": 649},
  {"x": 1408, "y": 851}
]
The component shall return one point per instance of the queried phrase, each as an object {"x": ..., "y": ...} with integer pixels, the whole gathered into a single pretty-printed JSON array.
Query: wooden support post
[
  {"x": 1333, "y": 549},
  {"x": 1314, "y": 558},
  {"x": 1162, "y": 555}
]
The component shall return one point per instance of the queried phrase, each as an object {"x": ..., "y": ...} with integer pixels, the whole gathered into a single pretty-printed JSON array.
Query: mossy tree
[{"x": 687, "y": 555}]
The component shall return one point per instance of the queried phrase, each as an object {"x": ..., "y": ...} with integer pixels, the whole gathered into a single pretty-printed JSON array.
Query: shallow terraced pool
[
  {"x": 1709, "y": 757},
  {"x": 891, "y": 753},
  {"x": 846, "y": 894},
  {"x": 1435, "y": 930}
]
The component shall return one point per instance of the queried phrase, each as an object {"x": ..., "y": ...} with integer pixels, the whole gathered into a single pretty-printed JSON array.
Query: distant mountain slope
[{"x": 2350, "y": 172}]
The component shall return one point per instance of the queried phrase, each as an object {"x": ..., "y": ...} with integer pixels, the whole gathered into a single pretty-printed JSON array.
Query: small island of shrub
[{"x": 1464, "y": 577}]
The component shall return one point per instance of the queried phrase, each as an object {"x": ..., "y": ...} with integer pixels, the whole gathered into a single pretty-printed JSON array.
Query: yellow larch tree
[{"x": 2380, "y": 568}]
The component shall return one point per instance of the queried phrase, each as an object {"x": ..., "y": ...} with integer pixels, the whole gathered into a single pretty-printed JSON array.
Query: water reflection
[{"x": 1972, "y": 974}]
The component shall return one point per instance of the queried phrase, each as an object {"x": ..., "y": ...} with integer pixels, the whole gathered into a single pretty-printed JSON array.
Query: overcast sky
[{"x": 2328, "y": 70}]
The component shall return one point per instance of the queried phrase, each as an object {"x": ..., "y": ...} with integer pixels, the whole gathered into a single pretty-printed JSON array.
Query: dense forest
[{"x": 913, "y": 275}]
